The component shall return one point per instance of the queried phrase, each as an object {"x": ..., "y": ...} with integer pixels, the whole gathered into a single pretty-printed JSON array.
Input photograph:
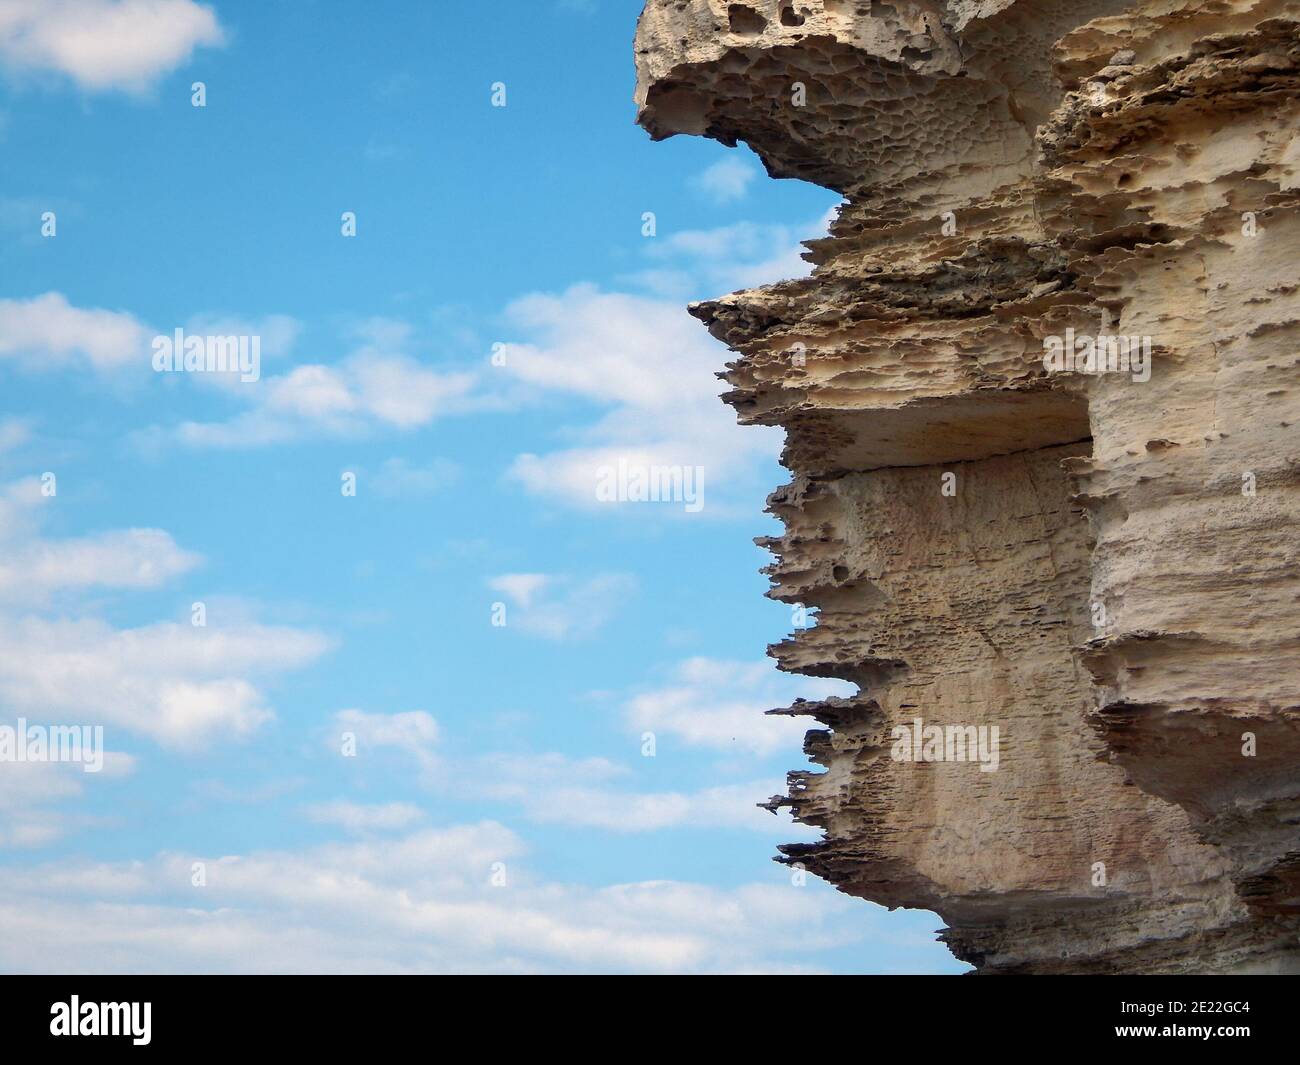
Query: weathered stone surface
[{"x": 1114, "y": 580}]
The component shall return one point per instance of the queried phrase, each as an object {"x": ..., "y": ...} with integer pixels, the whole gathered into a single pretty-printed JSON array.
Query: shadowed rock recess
[{"x": 1110, "y": 576}]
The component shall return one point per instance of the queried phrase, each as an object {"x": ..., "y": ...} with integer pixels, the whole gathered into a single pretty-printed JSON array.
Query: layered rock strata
[{"x": 1099, "y": 559}]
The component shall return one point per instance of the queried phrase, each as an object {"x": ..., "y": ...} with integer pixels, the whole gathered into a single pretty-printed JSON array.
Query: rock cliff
[{"x": 1041, "y": 395}]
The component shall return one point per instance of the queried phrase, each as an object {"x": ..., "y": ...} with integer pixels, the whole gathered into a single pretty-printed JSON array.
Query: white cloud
[
  {"x": 697, "y": 263},
  {"x": 394, "y": 390},
  {"x": 313, "y": 392},
  {"x": 520, "y": 777},
  {"x": 599, "y": 345},
  {"x": 557, "y": 607},
  {"x": 653, "y": 366},
  {"x": 552, "y": 788},
  {"x": 363, "y": 817},
  {"x": 32, "y": 567},
  {"x": 403, "y": 393},
  {"x": 711, "y": 704},
  {"x": 182, "y": 686},
  {"x": 414, "y": 731},
  {"x": 419, "y": 903},
  {"x": 727, "y": 180},
  {"x": 722, "y": 807},
  {"x": 721, "y": 705},
  {"x": 46, "y": 332},
  {"x": 130, "y": 558},
  {"x": 105, "y": 44},
  {"x": 28, "y": 790},
  {"x": 520, "y": 587},
  {"x": 371, "y": 388},
  {"x": 277, "y": 333}
]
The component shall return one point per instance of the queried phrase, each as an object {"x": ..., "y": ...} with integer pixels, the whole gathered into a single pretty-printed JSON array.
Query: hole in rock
[{"x": 745, "y": 19}]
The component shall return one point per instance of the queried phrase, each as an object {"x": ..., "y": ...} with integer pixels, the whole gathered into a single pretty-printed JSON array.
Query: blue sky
[{"x": 499, "y": 813}]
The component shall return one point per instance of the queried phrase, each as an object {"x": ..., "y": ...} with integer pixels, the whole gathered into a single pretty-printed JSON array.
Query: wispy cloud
[
  {"x": 595, "y": 793},
  {"x": 653, "y": 368},
  {"x": 699, "y": 263},
  {"x": 721, "y": 705},
  {"x": 364, "y": 818},
  {"x": 34, "y": 798},
  {"x": 727, "y": 180},
  {"x": 559, "y": 607},
  {"x": 548, "y": 787},
  {"x": 32, "y": 567},
  {"x": 14, "y": 432},
  {"x": 399, "y": 479},
  {"x": 410, "y": 730},
  {"x": 457, "y": 899}
]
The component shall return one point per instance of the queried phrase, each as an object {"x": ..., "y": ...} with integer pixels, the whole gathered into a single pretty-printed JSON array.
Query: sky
[{"x": 386, "y": 684}]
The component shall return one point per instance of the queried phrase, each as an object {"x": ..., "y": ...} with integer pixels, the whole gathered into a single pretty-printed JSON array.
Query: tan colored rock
[{"x": 1111, "y": 578}]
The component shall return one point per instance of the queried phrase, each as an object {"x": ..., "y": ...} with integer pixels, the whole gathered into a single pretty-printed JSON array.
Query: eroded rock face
[{"x": 1105, "y": 566}]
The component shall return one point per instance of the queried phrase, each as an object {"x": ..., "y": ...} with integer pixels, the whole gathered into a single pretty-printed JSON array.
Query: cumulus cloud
[
  {"x": 47, "y": 332},
  {"x": 105, "y": 44},
  {"x": 128, "y": 558},
  {"x": 558, "y": 607},
  {"x": 182, "y": 686},
  {"x": 372, "y": 388},
  {"x": 598, "y": 345},
  {"x": 727, "y": 180},
  {"x": 378, "y": 385},
  {"x": 720, "y": 705},
  {"x": 457, "y": 899}
]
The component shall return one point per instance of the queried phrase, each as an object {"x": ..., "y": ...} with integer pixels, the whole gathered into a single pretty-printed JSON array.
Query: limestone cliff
[{"x": 1110, "y": 574}]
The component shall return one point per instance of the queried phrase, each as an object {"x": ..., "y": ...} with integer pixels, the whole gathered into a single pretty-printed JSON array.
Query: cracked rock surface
[{"x": 1104, "y": 567}]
